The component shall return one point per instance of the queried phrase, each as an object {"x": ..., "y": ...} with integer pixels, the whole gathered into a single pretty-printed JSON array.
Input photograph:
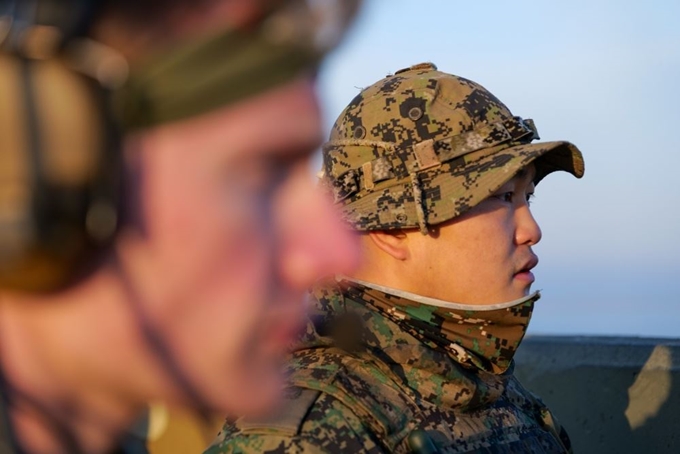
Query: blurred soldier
[
  {"x": 158, "y": 227},
  {"x": 414, "y": 351}
]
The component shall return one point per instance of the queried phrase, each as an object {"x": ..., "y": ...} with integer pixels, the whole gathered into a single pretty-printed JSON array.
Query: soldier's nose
[{"x": 317, "y": 242}]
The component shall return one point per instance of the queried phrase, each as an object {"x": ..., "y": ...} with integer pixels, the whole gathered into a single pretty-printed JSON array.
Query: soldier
[
  {"x": 414, "y": 351},
  {"x": 158, "y": 226}
]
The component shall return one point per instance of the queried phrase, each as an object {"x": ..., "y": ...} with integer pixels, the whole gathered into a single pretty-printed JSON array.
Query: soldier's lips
[
  {"x": 288, "y": 333},
  {"x": 285, "y": 323},
  {"x": 525, "y": 274},
  {"x": 283, "y": 333}
]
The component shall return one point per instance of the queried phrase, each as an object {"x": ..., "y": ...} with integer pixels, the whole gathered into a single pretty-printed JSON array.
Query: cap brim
[
  {"x": 456, "y": 186},
  {"x": 467, "y": 181},
  {"x": 554, "y": 156}
]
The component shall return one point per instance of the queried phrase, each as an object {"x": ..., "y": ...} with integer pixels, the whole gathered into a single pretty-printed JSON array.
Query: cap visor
[{"x": 467, "y": 181}]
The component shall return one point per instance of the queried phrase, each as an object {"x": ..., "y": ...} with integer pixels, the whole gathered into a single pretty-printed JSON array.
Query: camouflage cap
[{"x": 421, "y": 147}]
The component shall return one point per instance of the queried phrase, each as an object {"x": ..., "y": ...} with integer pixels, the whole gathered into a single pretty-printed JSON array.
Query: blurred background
[{"x": 604, "y": 75}]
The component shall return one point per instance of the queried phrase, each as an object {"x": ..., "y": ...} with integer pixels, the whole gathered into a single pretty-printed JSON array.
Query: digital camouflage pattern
[
  {"x": 421, "y": 147},
  {"x": 360, "y": 382},
  {"x": 485, "y": 337}
]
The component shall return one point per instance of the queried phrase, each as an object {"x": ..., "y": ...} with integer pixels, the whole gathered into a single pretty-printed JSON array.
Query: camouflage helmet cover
[{"x": 421, "y": 147}]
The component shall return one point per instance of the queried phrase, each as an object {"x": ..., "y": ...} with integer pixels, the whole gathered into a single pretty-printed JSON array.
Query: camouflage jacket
[{"x": 361, "y": 383}]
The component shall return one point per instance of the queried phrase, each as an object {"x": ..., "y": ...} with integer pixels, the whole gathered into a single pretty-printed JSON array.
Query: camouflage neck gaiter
[{"x": 485, "y": 337}]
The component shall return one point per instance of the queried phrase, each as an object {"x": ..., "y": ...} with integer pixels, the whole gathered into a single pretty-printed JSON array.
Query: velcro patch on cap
[
  {"x": 367, "y": 171},
  {"x": 425, "y": 154},
  {"x": 382, "y": 169}
]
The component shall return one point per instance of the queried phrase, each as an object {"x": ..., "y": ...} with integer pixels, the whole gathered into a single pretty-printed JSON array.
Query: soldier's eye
[
  {"x": 505, "y": 196},
  {"x": 530, "y": 198}
]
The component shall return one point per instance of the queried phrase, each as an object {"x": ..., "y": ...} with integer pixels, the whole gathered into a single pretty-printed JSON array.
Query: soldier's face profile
[
  {"x": 484, "y": 256},
  {"x": 233, "y": 232}
]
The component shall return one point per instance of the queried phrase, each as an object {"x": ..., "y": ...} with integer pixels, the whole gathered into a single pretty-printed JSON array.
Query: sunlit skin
[
  {"x": 203, "y": 289},
  {"x": 481, "y": 257}
]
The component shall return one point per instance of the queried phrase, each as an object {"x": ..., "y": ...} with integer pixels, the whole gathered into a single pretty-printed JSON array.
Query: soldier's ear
[{"x": 391, "y": 242}]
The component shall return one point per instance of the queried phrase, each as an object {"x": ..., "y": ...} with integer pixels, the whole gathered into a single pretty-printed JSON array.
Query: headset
[
  {"x": 60, "y": 163},
  {"x": 64, "y": 100}
]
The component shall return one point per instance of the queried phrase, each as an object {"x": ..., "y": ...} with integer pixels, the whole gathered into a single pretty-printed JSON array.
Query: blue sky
[{"x": 603, "y": 74}]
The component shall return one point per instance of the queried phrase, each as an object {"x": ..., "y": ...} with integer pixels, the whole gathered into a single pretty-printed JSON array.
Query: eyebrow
[
  {"x": 522, "y": 173},
  {"x": 290, "y": 152},
  {"x": 290, "y": 148}
]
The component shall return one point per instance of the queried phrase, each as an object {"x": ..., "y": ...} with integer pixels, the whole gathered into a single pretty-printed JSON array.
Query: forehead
[{"x": 284, "y": 120}]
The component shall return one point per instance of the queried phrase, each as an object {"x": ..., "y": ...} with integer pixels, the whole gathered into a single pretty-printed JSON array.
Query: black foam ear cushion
[{"x": 59, "y": 178}]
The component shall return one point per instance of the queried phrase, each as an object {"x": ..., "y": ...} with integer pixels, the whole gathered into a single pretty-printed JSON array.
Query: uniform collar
[{"x": 343, "y": 314}]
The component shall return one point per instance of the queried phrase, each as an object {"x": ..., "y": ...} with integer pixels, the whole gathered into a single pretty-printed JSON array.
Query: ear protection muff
[{"x": 60, "y": 162}]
